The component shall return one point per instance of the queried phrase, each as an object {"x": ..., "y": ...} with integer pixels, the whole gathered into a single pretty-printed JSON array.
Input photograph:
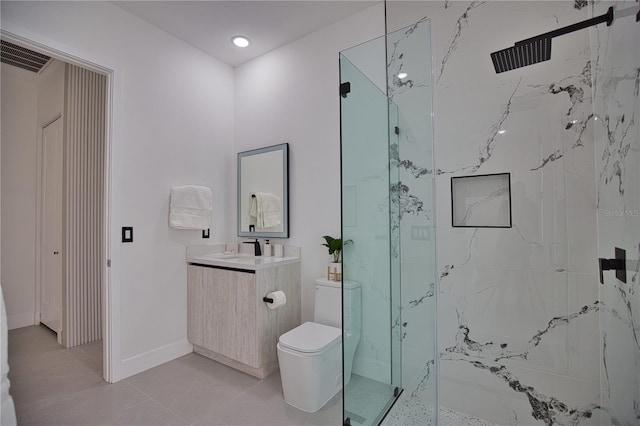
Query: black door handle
[{"x": 56, "y": 252}]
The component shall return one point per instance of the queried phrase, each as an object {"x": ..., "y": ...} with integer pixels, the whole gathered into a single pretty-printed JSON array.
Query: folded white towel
[
  {"x": 191, "y": 207},
  {"x": 266, "y": 209}
]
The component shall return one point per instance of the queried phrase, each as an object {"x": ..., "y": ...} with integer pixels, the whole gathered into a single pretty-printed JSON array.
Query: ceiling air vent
[{"x": 23, "y": 58}]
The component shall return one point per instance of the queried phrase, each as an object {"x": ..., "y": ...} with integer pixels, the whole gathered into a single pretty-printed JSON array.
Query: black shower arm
[{"x": 607, "y": 17}]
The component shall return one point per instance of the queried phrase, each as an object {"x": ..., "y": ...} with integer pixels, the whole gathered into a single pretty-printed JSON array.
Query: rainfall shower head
[
  {"x": 538, "y": 49},
  {"x": 522, "y": 55}
]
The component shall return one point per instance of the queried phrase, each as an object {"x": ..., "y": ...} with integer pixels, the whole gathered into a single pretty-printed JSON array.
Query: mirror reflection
[{"x": 263, "y": 208}]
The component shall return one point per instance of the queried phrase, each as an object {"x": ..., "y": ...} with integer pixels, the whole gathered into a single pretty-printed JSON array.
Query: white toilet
[{"x": 310, "y": 355}]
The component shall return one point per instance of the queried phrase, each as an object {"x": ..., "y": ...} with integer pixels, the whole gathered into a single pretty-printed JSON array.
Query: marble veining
[
  {"x": 400, "y": 326},
  {"x": 634, "y": 288},
  {"x": 604, "y": 363},
  {"x": 486, "y": 151},
  {"x": 499, "y": 351},
  {"x": 445, "y": 272},
  {"x": 461, "y": 23},
  {"x": 430, "y": 292},
  {"x": 630, "y": 320},
  {"x": 618, "y": 88},
  {"x": 535, "y": 243},
  {"x": 579, "y": 4},
  {"x": 548, "y": 409},
  {"x": 408, "y": 165},
  {"x": 616, "y": 150},
  {"x": 407, "y": 203},
  {"x": 396, "y": 64},
  {"x": 426, "y": 375},
  {"x": 476, "y": 205},
  {"x": 579, "y": 114}
]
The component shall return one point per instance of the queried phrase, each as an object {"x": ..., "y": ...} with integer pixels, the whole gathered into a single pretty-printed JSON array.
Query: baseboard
[
  {"x": 20, "y": 320},
  {"x": 139, "y": 363}
]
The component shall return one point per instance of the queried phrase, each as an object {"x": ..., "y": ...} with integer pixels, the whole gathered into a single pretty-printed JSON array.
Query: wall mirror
[{"x": 263, "y": 192}]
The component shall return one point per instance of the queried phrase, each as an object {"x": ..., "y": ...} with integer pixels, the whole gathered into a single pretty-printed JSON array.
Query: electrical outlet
[{"x": 420, "y": 233}]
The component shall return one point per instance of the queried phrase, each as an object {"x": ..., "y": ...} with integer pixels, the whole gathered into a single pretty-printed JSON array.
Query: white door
[{"x": 51, "y": 242}]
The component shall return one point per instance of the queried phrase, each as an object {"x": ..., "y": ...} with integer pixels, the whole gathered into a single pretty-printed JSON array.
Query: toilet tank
[
  {"x": 328, "y": 303},
  {"x": 352, "y": 304}
]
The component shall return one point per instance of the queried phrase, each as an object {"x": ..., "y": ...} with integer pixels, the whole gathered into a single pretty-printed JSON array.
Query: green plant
[{"x": 335, "y": 246}]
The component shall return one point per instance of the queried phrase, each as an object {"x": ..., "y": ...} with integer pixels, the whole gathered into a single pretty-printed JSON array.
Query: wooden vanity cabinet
[{"x": 228, "y": 321}]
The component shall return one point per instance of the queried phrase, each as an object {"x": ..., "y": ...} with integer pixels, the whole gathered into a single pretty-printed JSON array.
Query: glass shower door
[
  {"x": 387, "y": 213},
  {"x": 366, "y": 214},
  {"x": 615, "y": 65}
]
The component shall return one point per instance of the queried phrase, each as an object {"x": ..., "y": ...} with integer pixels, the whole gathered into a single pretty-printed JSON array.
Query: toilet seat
[{"x": 311, "y": 338}]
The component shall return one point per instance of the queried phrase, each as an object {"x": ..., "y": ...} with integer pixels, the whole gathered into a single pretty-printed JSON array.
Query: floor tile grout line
[
  {"x": 234, "y": 398},
  {"x": 157, "y": 402}
]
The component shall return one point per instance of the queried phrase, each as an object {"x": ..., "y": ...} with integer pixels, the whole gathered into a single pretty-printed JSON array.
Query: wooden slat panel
[{"x": 84, "y": 115}]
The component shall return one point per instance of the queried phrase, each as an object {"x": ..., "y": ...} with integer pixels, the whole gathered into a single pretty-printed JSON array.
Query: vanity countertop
[{"x": 214, "y": 255}]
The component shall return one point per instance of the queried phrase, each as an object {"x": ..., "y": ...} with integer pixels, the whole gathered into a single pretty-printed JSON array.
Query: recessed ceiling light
[
  {"x": 402, "y": 75},
  {"x": 240, "y": 41},
  {"x": 502, "y": 131}
]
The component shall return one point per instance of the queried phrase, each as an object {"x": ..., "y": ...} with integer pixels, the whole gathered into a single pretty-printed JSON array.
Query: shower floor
[
  {"x": 425, "y": 418},
  {"x": 409, "y": 411},
  {"x": 366, "y": 398}
]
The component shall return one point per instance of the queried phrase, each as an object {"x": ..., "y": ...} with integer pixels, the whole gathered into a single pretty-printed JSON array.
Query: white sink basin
[
  {"x": 239, "y": 260},
  {"x": 221, "y": 256}
]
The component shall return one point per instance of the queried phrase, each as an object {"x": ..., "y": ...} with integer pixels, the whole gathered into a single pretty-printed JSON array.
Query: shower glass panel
[
  {"x": 615, "y": 66},
  {"x": 367, "y": 261},
  {"x": 387, "y": 213},
  {"x": 410, "y": 93}
]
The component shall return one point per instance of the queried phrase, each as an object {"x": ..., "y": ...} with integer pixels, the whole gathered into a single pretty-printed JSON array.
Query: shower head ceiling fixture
[
  {"x": 522, "y": 55},
  {"x": 538, "y": 49}
]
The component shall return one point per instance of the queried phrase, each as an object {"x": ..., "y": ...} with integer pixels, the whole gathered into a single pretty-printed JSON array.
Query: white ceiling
[{"x": 209, "y": 25}]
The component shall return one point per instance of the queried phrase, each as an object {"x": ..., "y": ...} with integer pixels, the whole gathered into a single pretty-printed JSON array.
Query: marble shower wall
[
  {"x": 616, "y": 82},
  {"x": 518, "y": 308},
  {"x": 408, "y": 52}
]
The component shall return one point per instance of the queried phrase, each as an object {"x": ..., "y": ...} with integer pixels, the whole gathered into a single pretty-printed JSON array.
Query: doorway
[
  {"x": 51, "y": 223},
  {"x": 71, "y": 197}
]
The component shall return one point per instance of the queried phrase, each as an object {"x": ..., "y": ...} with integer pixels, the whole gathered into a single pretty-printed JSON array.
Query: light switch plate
[{"x": 127, "y": 234}]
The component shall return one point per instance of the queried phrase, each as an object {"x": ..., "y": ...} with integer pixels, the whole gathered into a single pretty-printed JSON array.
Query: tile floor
[{"x": 52, "y": 385}]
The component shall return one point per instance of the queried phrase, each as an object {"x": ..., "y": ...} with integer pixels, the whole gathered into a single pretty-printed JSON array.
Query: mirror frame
[{"x": 284, "y": 147}]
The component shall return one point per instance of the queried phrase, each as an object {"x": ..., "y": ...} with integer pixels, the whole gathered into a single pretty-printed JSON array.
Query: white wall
[
  {"x": 23, "y": 116},
  {"x": 19, "y": 138},
  {"x": 173, "y": 125},
  {"x": 291, "y": 95},
  {"x": 50, "y": 92}
]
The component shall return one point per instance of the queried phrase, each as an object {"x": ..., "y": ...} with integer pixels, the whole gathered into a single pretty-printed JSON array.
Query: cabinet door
[
  {"x": 229, "y": 314},
  {"x": 195, "y": 305}
]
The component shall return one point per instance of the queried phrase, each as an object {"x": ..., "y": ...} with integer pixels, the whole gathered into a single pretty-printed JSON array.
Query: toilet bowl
[
  {"x": 310, "y": 355},
  {"x": 310, "y": 358}
]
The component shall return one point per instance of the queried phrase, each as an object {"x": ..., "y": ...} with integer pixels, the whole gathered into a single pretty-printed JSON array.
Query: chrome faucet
[{"x": 256, "y": 247}]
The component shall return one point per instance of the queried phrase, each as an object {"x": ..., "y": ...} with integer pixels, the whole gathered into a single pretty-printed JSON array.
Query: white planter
[{"x": 334, "y": 271}]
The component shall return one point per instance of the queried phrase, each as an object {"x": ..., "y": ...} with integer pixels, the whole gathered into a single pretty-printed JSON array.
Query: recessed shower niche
[{"x": 481, "y": 201}]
